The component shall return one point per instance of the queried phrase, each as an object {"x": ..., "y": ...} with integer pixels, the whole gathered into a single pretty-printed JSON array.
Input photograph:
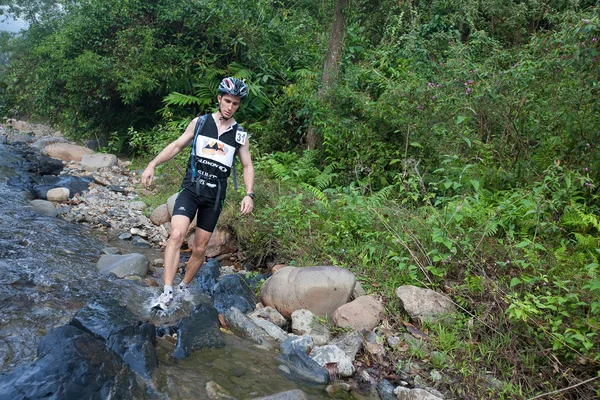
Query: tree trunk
[{"x": 331, "y": 68}]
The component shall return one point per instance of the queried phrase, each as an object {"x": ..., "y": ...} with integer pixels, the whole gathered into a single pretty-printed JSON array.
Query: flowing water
[{"x": 47, "y": 273}]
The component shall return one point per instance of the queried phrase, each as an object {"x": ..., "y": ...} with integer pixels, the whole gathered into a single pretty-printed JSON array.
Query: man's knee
[
  {"x": 198, "y": 247},
  {"x": 176, "y": 237}
]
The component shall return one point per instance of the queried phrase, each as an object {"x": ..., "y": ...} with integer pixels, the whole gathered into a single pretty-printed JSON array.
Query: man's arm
[
  {"x": 169, "y": 152},
  {"x": 248, "y": 170}
]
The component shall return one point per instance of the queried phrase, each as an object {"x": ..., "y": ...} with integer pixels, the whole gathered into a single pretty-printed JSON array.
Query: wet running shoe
[
  {"x": 163, "y": 301},
  {"x": 183, "y": 288}
]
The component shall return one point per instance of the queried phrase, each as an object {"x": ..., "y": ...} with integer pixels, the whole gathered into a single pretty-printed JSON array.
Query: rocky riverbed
[{"x": 101, "y": 192}]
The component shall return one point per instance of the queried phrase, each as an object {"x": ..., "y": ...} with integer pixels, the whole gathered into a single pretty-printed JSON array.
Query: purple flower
[
  {"x": 515, "y": 66},
  {"x": 587, "y": 145},
  {"x": 438, "y": 85},
  {"x": 586, "y": 169},
  {"x": 468, "y": 91},
  {"x": 430, "y": 84},
  {"x": 594, "y": 39},
  {"x": 587, "y": 184},
  {"x": 441, "y": 64}
]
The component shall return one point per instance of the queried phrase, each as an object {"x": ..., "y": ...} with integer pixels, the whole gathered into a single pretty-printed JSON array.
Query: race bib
[{"x": 240, "y": 136}]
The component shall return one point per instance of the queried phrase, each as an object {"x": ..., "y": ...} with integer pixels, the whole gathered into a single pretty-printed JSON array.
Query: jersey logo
[{"x": 240, "y": 137}]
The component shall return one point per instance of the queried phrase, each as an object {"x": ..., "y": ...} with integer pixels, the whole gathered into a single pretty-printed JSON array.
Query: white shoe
[
  {"x": 163, "y": 301},
  {"x": 183, "y": 288}
]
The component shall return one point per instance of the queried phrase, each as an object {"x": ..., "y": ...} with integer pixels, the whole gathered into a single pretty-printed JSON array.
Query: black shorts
[{"x": 190, "y": 205}]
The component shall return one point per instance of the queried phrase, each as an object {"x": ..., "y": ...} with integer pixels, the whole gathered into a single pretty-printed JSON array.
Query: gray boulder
[{"x": 44, "y": 207}]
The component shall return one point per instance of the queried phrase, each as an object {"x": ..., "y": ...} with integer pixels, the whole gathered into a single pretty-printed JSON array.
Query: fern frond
[
  {"x": 315, "y": 192},
  {"x": 180, "y": 99},
  {"x": 587, "y": 242}
]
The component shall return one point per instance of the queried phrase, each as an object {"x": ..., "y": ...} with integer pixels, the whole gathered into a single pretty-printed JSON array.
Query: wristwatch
[{"x": 251, "y": 195}]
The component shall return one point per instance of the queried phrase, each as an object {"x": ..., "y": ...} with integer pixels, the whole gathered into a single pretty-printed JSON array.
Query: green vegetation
[{"x": 458, "y": 151}]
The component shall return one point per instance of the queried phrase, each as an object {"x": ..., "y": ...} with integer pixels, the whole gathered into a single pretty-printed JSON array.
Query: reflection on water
[{"x": 47, "y": 273}]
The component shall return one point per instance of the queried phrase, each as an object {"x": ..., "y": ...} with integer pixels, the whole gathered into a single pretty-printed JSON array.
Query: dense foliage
[{"x": 458, "y": 151}]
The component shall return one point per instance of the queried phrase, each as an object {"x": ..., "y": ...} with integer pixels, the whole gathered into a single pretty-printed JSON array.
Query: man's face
[{"x": 228, "y": 104}]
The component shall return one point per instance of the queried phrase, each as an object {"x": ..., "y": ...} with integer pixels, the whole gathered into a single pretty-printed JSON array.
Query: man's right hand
[{"x": 148, "y": 176}]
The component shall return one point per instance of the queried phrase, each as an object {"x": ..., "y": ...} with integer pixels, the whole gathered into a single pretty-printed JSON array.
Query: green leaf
[{"x": 515, "y": 281}]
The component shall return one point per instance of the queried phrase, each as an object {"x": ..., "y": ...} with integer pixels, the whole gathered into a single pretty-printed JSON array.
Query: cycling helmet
[{"x": 233, "y": 86}]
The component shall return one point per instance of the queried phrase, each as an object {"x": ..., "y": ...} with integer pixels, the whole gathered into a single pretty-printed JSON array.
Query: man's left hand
[{"x": 247, "y": 205}]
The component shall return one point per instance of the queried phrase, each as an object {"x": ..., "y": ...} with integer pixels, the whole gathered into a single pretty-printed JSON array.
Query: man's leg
[
  {"x": 201, "y": 239},
  {"x": 179, "y": 227}
]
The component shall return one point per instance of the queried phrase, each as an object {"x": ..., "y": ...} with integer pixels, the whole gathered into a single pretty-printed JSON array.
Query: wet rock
[
  {"x": 295, "y": 394},
  {"x": 361, "y": 314},
  {"x": 233, "y": 291},
  {"x": 103, "y": 318},
  {"x": 318, "y": 289},
  {"x": 125, "y": 236},
  {"x": 43, "y": 165},
  {"x": 71, "y": 364},
  {"x": 123, "y": 265},
  {"x": 208, "y": 276},
  {"x": 199, "y": 330},
  {"x": 242, "y": 325},
  {"x": 138, "y": 241},
  {"x": 135, "y": 346},
  {"x": 76, "y": 185},
  {"x": 2, "y": 139},
  {"x": 425, "y": 304},
  {"x": 44, "y": 207},
  {"x": 298, "y": 364}
]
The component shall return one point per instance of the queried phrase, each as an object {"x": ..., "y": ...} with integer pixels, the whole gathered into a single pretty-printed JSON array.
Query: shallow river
[{"x": 47, "y": 273}]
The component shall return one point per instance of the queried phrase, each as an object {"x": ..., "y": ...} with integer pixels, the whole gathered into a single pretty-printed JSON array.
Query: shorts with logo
[{"x": 190, "y": 205}]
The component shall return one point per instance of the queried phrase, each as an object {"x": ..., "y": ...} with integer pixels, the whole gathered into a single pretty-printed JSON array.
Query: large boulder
[
  {"x": 320, "y": 289},
  {"x": 424, "y": 304},
  {"x": 362, "y": 314},
  {"x": 71, "y": 364},
  {"x": 67, "y": 152}
]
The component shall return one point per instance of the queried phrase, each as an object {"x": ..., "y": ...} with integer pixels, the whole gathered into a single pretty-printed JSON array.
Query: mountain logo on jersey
[{"x": 215, "y": 147}]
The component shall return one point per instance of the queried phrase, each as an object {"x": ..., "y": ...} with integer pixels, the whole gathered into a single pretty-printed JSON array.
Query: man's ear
[{"x": 219, "y": 98}]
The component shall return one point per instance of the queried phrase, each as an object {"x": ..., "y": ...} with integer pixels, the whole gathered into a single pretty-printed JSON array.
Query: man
[{"x": 215, "y": 139}]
